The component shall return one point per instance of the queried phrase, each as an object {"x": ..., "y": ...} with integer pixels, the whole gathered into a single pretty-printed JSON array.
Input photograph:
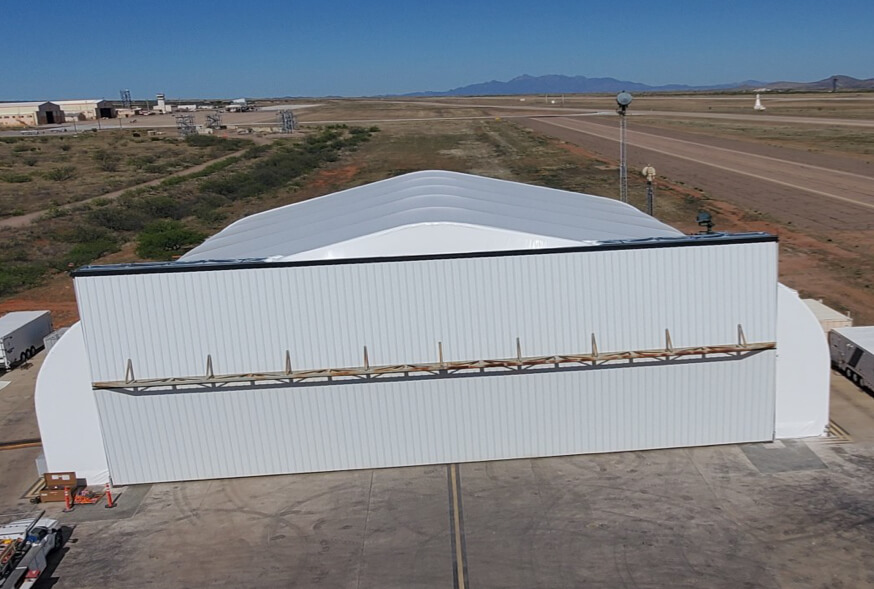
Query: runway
[{"x": 818, "y": 191}]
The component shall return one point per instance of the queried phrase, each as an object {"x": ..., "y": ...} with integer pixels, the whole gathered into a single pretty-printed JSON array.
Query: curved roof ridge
[{"x": 428, "y": 197}]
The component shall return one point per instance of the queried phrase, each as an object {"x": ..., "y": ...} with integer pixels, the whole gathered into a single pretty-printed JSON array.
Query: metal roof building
[
  {"x": 87, "y": 109},
  {"x": 30, "y": 114},
  {"x": 432, "y": 317}
]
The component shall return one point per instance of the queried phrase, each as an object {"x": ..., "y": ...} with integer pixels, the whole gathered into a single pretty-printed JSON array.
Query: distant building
[
  {"x": 30, "y": 114},
  {"x": 162, "y": 106},
  {"x": 89, "y": 109},
  {"x": 239, "y": 105}
]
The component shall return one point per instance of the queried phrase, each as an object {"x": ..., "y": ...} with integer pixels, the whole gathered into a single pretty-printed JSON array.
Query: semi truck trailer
[
  {"x": 852, "y": 352},
  {"x": 21, "y": 336}
]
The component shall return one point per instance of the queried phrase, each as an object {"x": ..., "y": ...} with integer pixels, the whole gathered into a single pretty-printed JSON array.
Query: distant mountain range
[{"x": 558, "y": 84}]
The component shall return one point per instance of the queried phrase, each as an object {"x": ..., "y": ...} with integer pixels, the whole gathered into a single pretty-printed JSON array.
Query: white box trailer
[
  {"x": 21, "y": 336},
  {"x": 828, "y": 318},
  {"x": 852, "y": 352}
]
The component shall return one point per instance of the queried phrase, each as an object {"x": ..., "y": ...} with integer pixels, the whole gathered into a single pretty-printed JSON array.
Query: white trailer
[
  {"x": 852, "y": 352},
  {"x": 21, "y": 336},
  {"x": 24, "y": 547}
]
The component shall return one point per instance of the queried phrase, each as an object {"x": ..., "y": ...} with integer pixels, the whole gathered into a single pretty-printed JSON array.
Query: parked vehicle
[
  {"x": 24, "y": 546},
  {"x": 852, "y": 352},
  {"x": 21, "y": 336}
]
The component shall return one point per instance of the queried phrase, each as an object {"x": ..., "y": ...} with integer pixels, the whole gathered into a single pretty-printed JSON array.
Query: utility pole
[{"x": 623, "y": 99}]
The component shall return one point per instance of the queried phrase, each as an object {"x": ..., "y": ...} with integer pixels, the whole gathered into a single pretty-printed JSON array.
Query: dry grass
[
  {"x": 37, "y": 173},
  {"x": 814, "y": 138}
]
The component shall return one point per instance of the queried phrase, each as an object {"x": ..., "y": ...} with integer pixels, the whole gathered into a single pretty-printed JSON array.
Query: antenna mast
[{"x": 623, "y": 99}]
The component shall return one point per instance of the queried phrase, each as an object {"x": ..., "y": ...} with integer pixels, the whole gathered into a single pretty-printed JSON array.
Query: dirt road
[{"x": 815, "y": 191}]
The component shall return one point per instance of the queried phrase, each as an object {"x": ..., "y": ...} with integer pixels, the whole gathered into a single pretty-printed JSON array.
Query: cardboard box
[{"x": 59, "y": 480}]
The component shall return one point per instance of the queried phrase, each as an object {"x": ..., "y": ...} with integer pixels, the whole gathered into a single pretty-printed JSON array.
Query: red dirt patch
[
  {"x": 330, "y": 179},
  {"x": 56, "y": 295},
  {"x": 585, "y": 153}
]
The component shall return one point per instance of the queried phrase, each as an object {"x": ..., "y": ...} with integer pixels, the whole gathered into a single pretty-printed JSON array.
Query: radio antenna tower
[
  {"x": 214, "y": 120},
  {"x": 126, "y": 101},
  {"x": 623, "y": 99},
  {"x": 286, "y": 117},
  {"x": 185, "y": 125}
]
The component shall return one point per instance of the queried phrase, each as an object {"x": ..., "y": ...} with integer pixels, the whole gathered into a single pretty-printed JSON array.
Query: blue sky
[{"x": 271, "y": 48}]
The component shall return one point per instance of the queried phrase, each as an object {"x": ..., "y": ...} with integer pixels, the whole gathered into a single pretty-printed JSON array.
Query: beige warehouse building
[
  {"x": 87, "y": 109},
  {"x": 30, "y": 114}
]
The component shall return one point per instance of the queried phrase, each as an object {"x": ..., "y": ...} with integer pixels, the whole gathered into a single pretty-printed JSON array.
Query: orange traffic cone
[{"x": 109, "y": 503}]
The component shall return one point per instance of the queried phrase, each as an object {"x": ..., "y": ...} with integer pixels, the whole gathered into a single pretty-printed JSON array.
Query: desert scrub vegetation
[
  {"x": 165, "y": 239},
  {"x": 167, "y": 219},
  {"x": 61, "y": 173},
  {"x": 19, "y": 276},
  {"x": 287, "y": 162},
  {"x": 15, "y": 178},
  {"x": 74, "y": 167}
]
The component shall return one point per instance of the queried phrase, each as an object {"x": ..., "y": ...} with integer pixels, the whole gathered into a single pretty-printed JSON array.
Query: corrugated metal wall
[
  {"x": 246, "y": 319},
  {"x": 167, "y": 323},
  {"x": 261, "y": 431}
]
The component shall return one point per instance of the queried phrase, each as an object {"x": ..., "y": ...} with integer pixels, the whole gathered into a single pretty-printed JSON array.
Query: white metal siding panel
[
  {"x": 259, "y": 431},
  {"x": 246, "y": 319}
]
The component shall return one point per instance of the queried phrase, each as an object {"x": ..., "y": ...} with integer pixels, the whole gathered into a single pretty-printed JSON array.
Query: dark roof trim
[{"x": 259, "y": 263}]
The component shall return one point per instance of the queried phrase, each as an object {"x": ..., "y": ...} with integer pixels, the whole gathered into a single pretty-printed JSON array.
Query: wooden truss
[{"x": 442, "y": 368}]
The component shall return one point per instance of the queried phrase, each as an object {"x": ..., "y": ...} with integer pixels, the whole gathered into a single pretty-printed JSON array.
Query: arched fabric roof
[{"x": 430, "y": 212}]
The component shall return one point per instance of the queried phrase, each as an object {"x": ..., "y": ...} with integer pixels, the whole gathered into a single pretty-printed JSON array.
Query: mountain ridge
[{"x": 562, "y": 84}]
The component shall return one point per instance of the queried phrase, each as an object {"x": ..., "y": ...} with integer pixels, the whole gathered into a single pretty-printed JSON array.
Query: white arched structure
[
  {"x": 67, "y": 412},
  {"x": 802, "y": 369},
  {"x": 420, "y": 214}
]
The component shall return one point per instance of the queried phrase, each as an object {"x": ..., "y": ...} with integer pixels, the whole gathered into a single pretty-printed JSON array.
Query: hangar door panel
[{"x": 246, "y": 431}]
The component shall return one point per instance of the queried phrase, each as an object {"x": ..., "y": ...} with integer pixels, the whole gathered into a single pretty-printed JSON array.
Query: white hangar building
[{"x": 434, "y": 317}]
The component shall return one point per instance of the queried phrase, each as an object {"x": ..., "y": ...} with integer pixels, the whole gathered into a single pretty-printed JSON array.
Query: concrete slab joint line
[{"x": 456, "y": 526}]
